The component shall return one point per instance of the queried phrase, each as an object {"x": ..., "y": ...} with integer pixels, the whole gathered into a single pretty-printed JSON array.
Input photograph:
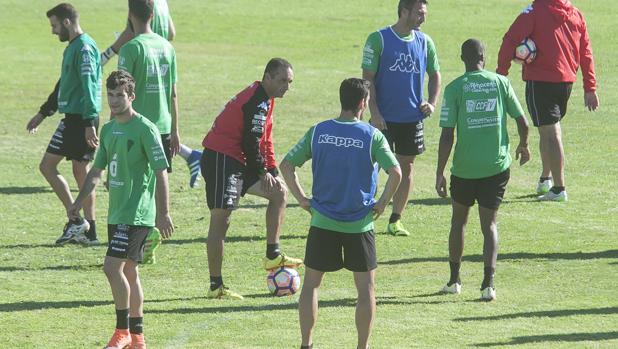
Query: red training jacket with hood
[{"x": 559, "y": 31}]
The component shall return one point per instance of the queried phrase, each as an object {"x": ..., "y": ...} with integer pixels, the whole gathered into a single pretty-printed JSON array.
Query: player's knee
[{"x": 45, "y": 168}]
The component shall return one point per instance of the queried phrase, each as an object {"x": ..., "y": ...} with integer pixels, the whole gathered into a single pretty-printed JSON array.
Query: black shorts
[
  {"x": 547, "y": 101},
  {"x": 69, "y": 139},
  {"x": 405, "y": 139},
  {"x": 126, "y": 241},
  {"x": 329, "y": 250},
  {"x": 226, "y": 179},
  {"x": 488, "y": 191},
  {"x": 166, "y": 142}
]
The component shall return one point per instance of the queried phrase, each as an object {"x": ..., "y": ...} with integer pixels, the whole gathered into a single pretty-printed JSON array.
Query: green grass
[{"x": 557, "y": 264}]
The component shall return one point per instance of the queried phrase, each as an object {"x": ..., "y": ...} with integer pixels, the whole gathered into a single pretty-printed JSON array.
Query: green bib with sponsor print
[
  {"x": 476, "y": 104},
  {"x": 131, "y": 151}
]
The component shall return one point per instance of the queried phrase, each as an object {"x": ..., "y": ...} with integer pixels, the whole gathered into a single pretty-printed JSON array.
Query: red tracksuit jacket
[
  {"x": 559, "y": 32},
  {"x": 243, "y": 130}
]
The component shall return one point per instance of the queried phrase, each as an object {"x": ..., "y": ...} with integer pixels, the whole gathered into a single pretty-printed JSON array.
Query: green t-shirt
[
  {"x": 373, "y": 51},
  {"x": 380, "y": 152},
  {"x": 152, "y": 61},
  {"x": 132, "y": 151},
  {"x": 160, "y": 23},
  {"x": 476, "y": 104},
  {"x": 79, "y": 91}
]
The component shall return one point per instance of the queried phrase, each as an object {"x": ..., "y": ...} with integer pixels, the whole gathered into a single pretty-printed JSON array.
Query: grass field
[{"x": 556, "y": 278}]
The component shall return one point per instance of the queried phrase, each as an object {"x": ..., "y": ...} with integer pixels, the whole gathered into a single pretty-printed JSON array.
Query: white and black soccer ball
[
  {"x": 525, "y": 52},
  {"x": 283, "y": 281}
]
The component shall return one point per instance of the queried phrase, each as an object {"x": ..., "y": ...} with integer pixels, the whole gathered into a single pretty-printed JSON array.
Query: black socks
[
  {"x": 557, "y": 190},
  {"x": 454, "y": 273},
  {"x": 543, "y": 179},
  {"x": 394, "y": 218},
  {"x": 91, "y": 234},
  {"x": 488, "y": 277},
  {"x": 122, "y": 319},
  {"x": 215, "y": 282},
  {"x": 136, "y": 325},
  {"x": 272, "y": 251}
]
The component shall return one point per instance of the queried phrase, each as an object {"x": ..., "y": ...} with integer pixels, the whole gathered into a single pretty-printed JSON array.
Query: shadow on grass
[
  {"x": 24, "y": 190},
  {"x": 431, "y": 202},
  {"x": 546, "y": 313},
  {"x": 30, "y": 306},
  {"x": 570, "y": 337},
  {"x": 30, "y": 246},
  {"x": 345, "y": 302},
  {"x": 56, "y": 267},
  {"x": 512, "y": 256},
  {"x": 232, "y": 239}
]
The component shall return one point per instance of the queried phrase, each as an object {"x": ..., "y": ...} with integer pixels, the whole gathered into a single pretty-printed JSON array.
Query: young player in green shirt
[
  {"x": 138, "y": 201},
  {"x": 78, "y": 95},
  {"x": 477, "y": 104},
  {"x": 345, "y": 154}
]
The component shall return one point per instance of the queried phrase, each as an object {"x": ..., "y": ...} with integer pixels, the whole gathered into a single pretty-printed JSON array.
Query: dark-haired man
[
  {"x": 132, "y": 152},
  {"x": 240, "y": 155},
  {"x": 345, "y": 154},
  {"x": 559, "y": 30},
  {"x": 476, "y": 104},
  {"x": 78, "y": 95},
  {"x": 395, "y": 60}
]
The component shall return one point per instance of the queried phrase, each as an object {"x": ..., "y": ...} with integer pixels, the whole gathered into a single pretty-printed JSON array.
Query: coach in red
[
  {"x": 239, "y": 158},
  {"x": 560, "y": 33}
]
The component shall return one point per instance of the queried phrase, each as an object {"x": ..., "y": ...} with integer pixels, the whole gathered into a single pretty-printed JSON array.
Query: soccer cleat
[
  {"x": 544, "y": 186},
  {"x": 455, "y": 288},
  {"x": 488, "y": 294},
  {"x": 152, "y": 242},
  {"x": 193, "y": 161},
  {"x": 120, "y": 340},
  {"x": 223, "y": 293},
  {"x": 282, "y": 261},
  {"x": 397, "y": 229},
  {"x": 550, "y": 196},
  {"x": 138, "y": 341},
  {"x": 74, "y": 231}
]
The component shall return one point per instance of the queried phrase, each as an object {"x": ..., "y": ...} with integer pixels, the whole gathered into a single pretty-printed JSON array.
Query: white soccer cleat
[
  {"x": 488, "y": 294},
  {"x": 550, "y": 196},
  {"x": 452, "y": 289},
  {"x": 74, "y": 231},
  {"x": 544, "y": 186}
]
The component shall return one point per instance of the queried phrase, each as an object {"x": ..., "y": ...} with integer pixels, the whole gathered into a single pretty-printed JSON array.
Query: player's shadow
[
  {"x": 232, "y": 239},
  {"x": 544, "y": 314},
  {"x": 260, "y": 205},
  {"x": 431, "y": 202},
  {"x": 521, "y": 198},
  {"x": 513, "y": 256},
  {"x": 337, "y": 303},
  {"x": 30, "y": 306},
  {"x": 11, "y": 247},
  {"x": 567, "y": 337},
  {"x": 24, "y": 190},
  {"x": 52, "y": 268}
]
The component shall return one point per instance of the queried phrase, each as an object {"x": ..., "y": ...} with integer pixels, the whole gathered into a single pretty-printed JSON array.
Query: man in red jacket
[
  {"x": 559, "y": 31},
  {"x": 239, "y": 158}
]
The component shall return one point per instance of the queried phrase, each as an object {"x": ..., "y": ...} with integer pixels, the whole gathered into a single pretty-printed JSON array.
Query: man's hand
[
  {"x": 522, "y": 154},
  {"x": 91, "y": 137},
  {"x": 175, "y": 143},
  {"x": 34, "y": 123},
  {"x": 377, "y": 121},
  {"x": 165, "y": 225},
  {"x": 268, "y": 183},
  {"x": 591, "y": 100},
  {"x": 378, "y": 209},
  {"x": 427, "y": 108},
  {"x": 441, "y": 185},
  {"x": 305, "y": 204}
]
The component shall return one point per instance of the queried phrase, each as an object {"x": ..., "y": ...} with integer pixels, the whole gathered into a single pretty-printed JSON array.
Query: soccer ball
[
  {"x": 283, "y": 281},
  {"x": 525, "y": 52}
]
